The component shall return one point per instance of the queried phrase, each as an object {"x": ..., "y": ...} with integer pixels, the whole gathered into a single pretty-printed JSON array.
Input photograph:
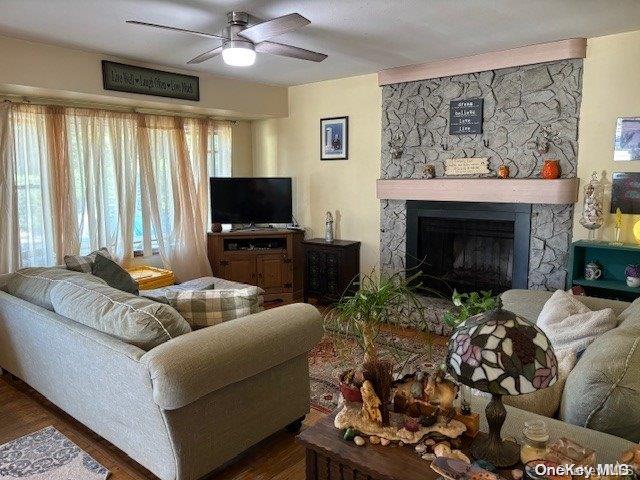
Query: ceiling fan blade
[
  {"x": 176, "y": 29},
  {"x": 206, "y": 56},
  {"x": 265, "y": 30},
  {"x": 289, "y": 51}
]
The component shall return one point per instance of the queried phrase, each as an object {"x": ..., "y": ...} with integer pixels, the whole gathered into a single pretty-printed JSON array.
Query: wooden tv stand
[{"x": 270, "y": 258}]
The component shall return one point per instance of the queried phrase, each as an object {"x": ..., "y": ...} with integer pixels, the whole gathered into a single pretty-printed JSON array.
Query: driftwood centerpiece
[{"x": 353, "y": 415}]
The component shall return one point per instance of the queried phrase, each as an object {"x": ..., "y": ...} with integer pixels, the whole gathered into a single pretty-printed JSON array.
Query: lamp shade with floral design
[{"x": 501, "y": 353}]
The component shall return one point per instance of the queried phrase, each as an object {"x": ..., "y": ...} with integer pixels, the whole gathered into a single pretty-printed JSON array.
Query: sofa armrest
[{"x": 197, "y": 363}]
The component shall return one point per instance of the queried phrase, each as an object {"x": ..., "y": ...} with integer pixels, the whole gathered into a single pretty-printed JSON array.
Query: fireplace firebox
[{"x": 469, "y": 246}]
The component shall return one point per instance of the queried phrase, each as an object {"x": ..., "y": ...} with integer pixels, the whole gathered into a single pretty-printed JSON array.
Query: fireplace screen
[{"x": 466, "y": 254}]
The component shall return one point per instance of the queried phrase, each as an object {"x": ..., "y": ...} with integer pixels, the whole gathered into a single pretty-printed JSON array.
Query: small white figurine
[{"x": 328, "y": 228}]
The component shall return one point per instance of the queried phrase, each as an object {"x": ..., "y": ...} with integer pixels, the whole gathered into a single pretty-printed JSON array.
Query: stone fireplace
[{"x": 519, "y": 104}]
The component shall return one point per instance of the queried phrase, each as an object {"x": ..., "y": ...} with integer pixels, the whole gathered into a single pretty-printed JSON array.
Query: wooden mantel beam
[
  {"x": 514, "y": 57},
  {"x": 562, "y": 191}
]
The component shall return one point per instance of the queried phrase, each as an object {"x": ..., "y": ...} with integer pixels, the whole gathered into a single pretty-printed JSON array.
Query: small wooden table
[{"x": 329, "y": 457}]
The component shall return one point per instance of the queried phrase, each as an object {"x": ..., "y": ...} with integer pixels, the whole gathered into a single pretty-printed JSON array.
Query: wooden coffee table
[{"x": 329, "y": 457}]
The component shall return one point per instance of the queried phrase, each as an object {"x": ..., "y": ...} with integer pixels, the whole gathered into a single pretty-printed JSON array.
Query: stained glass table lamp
[{"x": 500, "y": 353}]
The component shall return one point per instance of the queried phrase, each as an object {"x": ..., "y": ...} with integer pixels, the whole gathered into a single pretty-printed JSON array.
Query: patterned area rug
[
  {"x": 336, "y": 353},
  {"x": 47, "y": 455}
]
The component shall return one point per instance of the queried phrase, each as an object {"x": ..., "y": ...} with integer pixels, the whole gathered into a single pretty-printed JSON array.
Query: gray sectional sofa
[
  {"x": 602, "y": 391},
  {"x": 182, "y": 408}
]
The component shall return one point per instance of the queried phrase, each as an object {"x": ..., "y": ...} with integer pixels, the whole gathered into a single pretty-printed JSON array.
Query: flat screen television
[{"x": 250, "y": 200}]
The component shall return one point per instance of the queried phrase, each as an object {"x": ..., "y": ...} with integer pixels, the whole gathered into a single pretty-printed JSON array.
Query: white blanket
[{"x": 569, "y": 324}]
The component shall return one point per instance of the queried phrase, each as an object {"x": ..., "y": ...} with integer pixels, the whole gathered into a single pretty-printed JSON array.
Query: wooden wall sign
[
  {"x": 465, "y": 116},
  {"x": 467, "y": 166},
  {"x": 146, "y": 81}
]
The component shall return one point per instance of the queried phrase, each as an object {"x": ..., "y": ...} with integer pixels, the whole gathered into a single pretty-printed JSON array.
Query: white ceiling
[{"x": 360, "y": 36}]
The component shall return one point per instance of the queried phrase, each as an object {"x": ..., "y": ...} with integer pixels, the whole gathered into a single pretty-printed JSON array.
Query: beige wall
[
  {"x": 46, "y": 70},
  {"x": 291, "y": 147},
  {"x": 610, "y": 90},
  {"x": 241, "y": 149}
]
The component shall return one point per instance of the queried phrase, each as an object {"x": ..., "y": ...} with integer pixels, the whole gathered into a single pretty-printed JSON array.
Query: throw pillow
[
  {"x": 569, "y": 324},
  {"x": 84, "y": 264},
  {"x": 131, "y": 319},
  {"x": 204, "y": 308},
  {"x": 115, "y": 276},
  {"x": 547, "y": 401}
]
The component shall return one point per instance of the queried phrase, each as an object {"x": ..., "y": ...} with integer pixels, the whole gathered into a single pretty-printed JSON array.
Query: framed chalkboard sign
[
  {"x": 625, "y": 192},
  {"x": 465, "y": 116},
  {"x": 147, "y": 81}
]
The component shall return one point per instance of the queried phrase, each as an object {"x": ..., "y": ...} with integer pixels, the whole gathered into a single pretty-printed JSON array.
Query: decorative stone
[
  {"x": 485, "y": 465},
  {"x": 374, "y": 440},
  {"x": 429, "y": 442},
  {"x": 411, "y": 425},
  {"x": 358, "y": 440},
  {"x": 349, "y": 433},
  {"x": 442, "y": 450},
  {"x": 400, "y": 444},
  {"x": 416, "y": 389},
  {"x": 384, "y": 442},
  {"x": 421, "y": 448},
  {"x": 517, "y": 474},
  {"x": 429, "y": 456}
]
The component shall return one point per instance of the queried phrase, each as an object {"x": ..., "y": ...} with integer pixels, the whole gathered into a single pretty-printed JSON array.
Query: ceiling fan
[{"x": 241, "y": 41}]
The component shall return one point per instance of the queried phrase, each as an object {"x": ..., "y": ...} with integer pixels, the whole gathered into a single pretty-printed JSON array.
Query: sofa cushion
[
  {"x": 631, "y": 315},
  {"x": 204, "y": 308},
  {"x": 603, "y": 390},
  {"x": 135, "y": 320},
  {"x": 34, "y": 284},
  {"x": 84, "y": 263},
  {"x": 115, "y": 276},
  {"x": 570, "y": 324}
]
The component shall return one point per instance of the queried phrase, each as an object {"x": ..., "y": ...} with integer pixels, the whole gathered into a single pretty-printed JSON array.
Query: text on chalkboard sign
[{"x": 465, "y": 116}]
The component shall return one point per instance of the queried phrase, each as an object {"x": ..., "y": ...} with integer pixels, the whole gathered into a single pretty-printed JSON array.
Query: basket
[{"x": 149, "y": 278}]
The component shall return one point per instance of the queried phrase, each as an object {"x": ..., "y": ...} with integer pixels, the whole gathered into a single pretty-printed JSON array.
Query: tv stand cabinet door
[
  {"x": 271, "y": 275},
  {"x": 239, "y": 269}
]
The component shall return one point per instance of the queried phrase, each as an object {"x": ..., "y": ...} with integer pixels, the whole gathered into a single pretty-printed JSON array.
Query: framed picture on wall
[
  {"x": 627, "y": 145},
  {"x": 334, "y": 138},
  {"x": 625, "y": 192}
]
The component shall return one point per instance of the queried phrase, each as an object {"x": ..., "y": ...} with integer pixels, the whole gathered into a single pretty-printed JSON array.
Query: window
[{"x": 109, "y": 189}]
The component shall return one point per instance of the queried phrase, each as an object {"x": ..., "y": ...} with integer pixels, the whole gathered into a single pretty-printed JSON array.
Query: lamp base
[
  {"x": 502, "y": 454},
  {"x": 491, "y": 447}
]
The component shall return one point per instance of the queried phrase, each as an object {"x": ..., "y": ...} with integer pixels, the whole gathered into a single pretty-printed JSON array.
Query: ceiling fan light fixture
[{"x": 239, "y": 53}]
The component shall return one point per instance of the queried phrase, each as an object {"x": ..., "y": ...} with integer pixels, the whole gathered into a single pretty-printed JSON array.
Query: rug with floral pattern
[
  {"x": 47, "y": 455},
  {"x": 336, "y": 353}
]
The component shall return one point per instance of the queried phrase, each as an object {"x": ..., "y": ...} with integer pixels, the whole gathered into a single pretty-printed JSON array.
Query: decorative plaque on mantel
[{"x": 467, "y": 166}]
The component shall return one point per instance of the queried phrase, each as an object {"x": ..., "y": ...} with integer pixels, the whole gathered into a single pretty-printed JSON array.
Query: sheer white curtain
[
  {"x": 9, "y": 235},
  {"x": 169, "y": 194},
  {"x": 73, "y": 180},
  {"x": 102, "y": 154},
  {"x": 29, "y": 155}
]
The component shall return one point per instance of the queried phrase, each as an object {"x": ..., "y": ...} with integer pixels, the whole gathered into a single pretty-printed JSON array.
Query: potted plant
[
  {"x": 377, "y": 301},
  {"x": 469, "y": 304},
  {"x": 632, "y": 273}
]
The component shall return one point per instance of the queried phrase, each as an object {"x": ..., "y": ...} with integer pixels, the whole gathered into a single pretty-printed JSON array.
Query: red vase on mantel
[{"x": 550, "y": 170}]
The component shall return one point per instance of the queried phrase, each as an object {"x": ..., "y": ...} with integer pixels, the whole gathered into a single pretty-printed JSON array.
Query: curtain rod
[{"x": 44, "y": 101}]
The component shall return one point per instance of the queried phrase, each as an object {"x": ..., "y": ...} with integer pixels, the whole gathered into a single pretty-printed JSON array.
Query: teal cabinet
[{"x": 613, "y": 259}]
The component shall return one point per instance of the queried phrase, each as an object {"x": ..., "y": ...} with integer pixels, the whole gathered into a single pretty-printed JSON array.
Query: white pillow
[
  {"x": 546, "y": 401},
  {"x": 570, "y": 324}
]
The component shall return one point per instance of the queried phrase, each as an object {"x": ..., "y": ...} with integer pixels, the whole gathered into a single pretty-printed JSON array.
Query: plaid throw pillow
[
  {"x": 84, "y": 264},
  {"x": 204, "y": 308}
]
